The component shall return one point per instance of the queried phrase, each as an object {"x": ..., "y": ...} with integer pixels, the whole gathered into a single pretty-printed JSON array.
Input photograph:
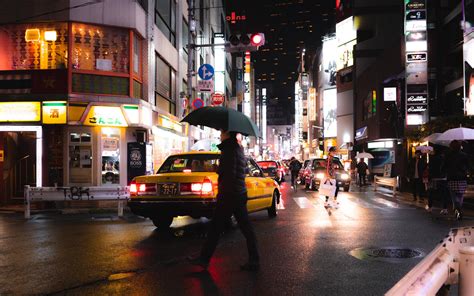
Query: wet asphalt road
[{"x": 305, "y": 250}]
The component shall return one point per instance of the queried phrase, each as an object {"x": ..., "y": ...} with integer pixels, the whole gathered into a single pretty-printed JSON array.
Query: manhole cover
[{"x": 390, "y": 254}]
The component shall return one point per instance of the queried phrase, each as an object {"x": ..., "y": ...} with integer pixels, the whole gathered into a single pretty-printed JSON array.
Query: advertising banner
[
  {"x": 136, "y": 160},
  {"x": 416, "y": 64}
]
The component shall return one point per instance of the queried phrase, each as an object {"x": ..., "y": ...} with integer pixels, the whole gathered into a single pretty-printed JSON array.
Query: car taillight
[
  {"x": 133, "y": 188},
  {"x": 204, "y": 188},
  {"x": 142, "y": 188}
]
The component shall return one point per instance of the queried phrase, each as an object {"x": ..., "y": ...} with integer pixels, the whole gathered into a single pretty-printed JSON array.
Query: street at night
[{"x": 304, "y": 250}]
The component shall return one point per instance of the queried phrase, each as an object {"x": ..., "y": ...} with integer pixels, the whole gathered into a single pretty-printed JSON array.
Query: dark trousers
[
  {"x": 439, "y": 188},
  {"x": 294, "y": 176},
  {"x": 226, "y": 206},
  {"x": 418, "y": 188},
  {"x": 362, "y": 179}
]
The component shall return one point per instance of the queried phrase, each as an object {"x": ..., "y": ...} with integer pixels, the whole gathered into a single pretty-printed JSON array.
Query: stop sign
[{"x": 217, "y": 99}]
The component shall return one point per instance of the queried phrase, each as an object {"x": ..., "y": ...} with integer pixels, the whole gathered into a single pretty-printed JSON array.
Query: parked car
[
  {"x": 316, "y": 171},
  {"x": 272, "y": 169},
  {"x": 186, "y": 185}
]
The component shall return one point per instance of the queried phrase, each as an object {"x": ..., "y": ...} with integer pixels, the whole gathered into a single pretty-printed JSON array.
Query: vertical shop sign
[
  {"x": 136, "y": 160},
  {"x": 416, "y": 63}
]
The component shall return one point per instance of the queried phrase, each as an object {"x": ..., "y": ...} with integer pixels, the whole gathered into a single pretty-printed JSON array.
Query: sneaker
[
  {"x": 198, "y": 261},
  {"x": 443, "y": 212},
  {"x": 427, "y": 208},
  {"x": 458, "y": 214},
  {"x": 250, "y": 266}
]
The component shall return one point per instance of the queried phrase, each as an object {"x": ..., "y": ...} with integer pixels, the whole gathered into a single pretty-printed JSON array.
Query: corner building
[{"x": 84, "y": 85}]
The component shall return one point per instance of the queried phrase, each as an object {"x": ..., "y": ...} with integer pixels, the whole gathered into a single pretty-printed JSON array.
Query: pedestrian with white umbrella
[{"x": 457, "y": 165}]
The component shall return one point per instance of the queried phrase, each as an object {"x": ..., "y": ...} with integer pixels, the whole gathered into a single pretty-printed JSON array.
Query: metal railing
[
  {"x": 73, "y": 193},
  {"x": 450, "y": 263}
]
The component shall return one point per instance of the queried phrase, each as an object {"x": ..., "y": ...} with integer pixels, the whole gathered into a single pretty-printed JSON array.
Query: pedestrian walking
[
  {"x": 231, "y": 199},
  {"x": 295, "y": 167},
  {"x": 362, "y": 169},
  {"x": 438, "y": 184},
  {"x": 417, "y": 167},
  {"x": 331, "y": 174},
  {"x": 456, "y": 171}
]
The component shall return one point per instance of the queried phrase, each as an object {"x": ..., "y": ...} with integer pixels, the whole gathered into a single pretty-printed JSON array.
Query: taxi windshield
[{"x": 190, "y": 163}]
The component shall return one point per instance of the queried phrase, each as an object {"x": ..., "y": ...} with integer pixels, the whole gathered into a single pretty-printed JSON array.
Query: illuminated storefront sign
[
  {"x": 55, "y": 112},
  {"x": 20, "y": 111},
  {"x": 416, "y": 65},
  {"x": 105, "y": 116},
  {"x": 312, "y": 104},
  {"x": 131, "y": 111},
  {"x": 329, "y": 112},
  {"x": 346, "y": 36},
  {"x": 170, "y": 124}
]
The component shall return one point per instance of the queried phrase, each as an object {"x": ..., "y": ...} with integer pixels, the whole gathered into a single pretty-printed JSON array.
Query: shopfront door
[{"x": 80, "y": 158}]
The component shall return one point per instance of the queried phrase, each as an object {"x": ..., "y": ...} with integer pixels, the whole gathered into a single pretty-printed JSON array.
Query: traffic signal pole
[{"x": 191, "y": 45}]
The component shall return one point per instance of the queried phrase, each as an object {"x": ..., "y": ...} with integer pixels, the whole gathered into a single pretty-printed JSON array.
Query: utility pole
[{"x": 191, "y": 46}]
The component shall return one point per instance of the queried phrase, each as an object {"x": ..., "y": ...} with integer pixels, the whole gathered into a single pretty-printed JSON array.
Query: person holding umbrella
[
  {"x": 232, "y": 191},
  {"x": 456, "y": 169}
]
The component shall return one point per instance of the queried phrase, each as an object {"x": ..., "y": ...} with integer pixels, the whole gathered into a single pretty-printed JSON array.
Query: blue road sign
[{"x": 206, "y": 72}]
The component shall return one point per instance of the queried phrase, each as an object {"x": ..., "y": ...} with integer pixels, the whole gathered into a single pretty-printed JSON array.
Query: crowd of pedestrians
[{"x": 441, "y": 175}]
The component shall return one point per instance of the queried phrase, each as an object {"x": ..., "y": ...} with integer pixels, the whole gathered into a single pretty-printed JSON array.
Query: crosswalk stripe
[{"x": 303, "y": 202}]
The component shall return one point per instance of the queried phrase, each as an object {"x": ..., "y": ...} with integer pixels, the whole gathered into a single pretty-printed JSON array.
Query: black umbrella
[{"x": 223, "y": 118}]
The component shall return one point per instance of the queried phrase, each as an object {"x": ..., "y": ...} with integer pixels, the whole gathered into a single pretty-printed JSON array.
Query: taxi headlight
[
  {"x": 345, "y": 177},
  {"x": 320, "y": 176}
]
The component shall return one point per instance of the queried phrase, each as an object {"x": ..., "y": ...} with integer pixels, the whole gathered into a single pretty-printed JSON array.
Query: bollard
[
  {"x": 120, "y": 208},
  {"x": 27, "y": 202},
  {"x": 466, "y": 271}
]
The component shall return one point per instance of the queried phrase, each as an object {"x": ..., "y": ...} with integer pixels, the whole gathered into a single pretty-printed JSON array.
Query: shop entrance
[{"x": 20, "y": 163}]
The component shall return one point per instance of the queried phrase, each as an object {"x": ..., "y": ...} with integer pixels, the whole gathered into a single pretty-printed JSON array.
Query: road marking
[{"x": 303, "y": 202}]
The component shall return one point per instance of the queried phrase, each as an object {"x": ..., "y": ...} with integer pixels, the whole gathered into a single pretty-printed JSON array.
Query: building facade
[{"x": 92, "y": 94}]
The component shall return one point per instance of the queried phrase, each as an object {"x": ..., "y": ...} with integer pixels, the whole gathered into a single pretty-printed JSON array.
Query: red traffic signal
[
  {"x": 257, "y": 39},
  {"x": 245, "y": 42}
]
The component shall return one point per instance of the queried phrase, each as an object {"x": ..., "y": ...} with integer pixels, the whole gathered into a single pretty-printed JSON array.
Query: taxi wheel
[
  {"x": 162, "y": 222},
  {"x": 272, "y": 211}
]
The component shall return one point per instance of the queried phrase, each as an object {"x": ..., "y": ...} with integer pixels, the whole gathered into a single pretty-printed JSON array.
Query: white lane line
[{"x": 303, "y": 202}]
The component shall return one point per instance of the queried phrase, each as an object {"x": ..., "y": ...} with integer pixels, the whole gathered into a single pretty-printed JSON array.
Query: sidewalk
[{"x": 408, "y": 197}]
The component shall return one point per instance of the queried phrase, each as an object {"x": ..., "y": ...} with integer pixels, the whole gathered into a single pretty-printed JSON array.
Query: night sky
[{"x": 289, "y": 26}]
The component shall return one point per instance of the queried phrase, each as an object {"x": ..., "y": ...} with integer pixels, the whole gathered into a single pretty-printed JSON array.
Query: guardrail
[
  {"x": 385, "y": 181},
  {"x": 450, "y": 263},
  {"x": 73, "y": 193}
]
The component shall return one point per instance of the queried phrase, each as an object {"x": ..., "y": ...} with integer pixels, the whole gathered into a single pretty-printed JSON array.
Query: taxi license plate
[{"x": 168, "y": 188}]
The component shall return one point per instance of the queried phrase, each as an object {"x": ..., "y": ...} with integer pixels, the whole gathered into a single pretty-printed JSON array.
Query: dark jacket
[
  {"x": 362, "y": 168},
  {"x": 457, "y": 165},
  {"x": 232, "y": 168},
  {"x": 437, "y": 167},
  {"x": 295, "y": 166},
  {"x": 421, "y": 167}
]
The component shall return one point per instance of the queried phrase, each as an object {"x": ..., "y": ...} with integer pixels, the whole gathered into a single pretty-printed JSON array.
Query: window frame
[{"x": 171, "y": 26}]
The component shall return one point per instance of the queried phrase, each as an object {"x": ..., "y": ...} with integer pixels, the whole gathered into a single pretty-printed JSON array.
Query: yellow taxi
[{"x": 186, "y": 185}]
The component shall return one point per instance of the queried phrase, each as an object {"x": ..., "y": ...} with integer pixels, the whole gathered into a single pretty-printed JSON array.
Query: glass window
[
  {"x": 136, "y": 54},
  {"x": 165, "y": 86},
  {"x": 190, "y": 163},
  {"x": 165, "y": 18},
  {"x": 253, "y": 169},
  {"x": 100, "y": 48},
  {"x": 80, "y": 158},
  {"x": 184, "y": 37},
  {"x": 33, "y": 46},
  {"x": 110, "y": 155}
]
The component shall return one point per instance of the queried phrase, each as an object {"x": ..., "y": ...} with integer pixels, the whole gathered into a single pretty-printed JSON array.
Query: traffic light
[{"x": 245, "y": 42}]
